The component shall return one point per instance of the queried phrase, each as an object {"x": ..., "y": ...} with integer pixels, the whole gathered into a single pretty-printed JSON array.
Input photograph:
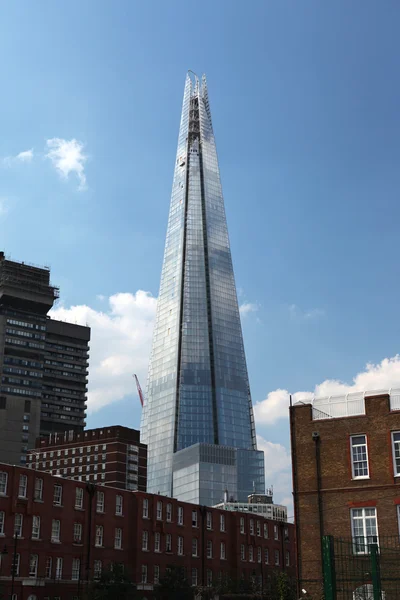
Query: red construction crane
[{"x": 139, "y": 389}]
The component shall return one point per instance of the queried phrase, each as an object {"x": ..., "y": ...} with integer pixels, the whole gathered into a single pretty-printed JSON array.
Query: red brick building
[
  {"x": 346, "y": 474},
  {"x": 108, "y": 456},
  {"x": 69, "y": 530}
]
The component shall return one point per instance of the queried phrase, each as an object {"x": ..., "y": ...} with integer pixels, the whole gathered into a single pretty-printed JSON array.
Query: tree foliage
[{"x": 173, "y": 586}]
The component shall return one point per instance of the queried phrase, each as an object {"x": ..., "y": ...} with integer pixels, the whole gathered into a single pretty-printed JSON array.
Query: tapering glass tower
[{"x": 198, "y": 418}]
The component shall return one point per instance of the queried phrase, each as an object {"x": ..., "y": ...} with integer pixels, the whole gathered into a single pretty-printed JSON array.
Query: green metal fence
[{"x": 361, "y": 569}]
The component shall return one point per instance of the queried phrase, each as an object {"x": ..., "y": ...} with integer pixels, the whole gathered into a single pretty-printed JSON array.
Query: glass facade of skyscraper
[{"x": 198, "y": 390}]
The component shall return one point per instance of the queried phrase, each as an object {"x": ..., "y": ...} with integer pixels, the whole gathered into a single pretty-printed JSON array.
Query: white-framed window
[
  {"x": 258, "y": 525},
  {"x": 15, "y": 564},
  {"x": 78, "y": 497},
  {"x": 2, "y": 521},
  {"x": 144, "y": 573},
  {"x": 118, "y": 504},
  {"x": 194, "y": 577},
  {"x": 359, "y": 456},
  {"x": 242, "y": 552},
  {"x": 77, "y": 533},
  {"x": 364, "y": 527},
  {"x": 59, "y": 566},
  {"x": 287, "y": 558},
  {"x": 259, "y": 554},
  {"x": 18, "y": 520},
  {"x": 35, "y": 527},
  {"x": 277, "y": 558},
  {"x": 3, "y": 483},
  {"x": 55, "y": 530},
  {"x": 23, "y": 484},
  {"x": 145, "y": 540},
  {"x": 222, "y": 522},
  {"x": 241, "y": 524},
  {"x": 118, "y": 538},
  {"x": 180, "y": 545},
  {"x": 38, "y": 494},
  {"x": 276, "y": 532},
  {"x": 156, "y": 574},
  {"x": 100, "y": 502},
  {"x": 97, "y": 566},
  {"x": 169, "y": 512},
  {"x": 194, "y": 518},
  {"x": 145, "y": 508},
  {"x": 49, "y": 564},
  {"x": 194, "y": 547},
  {"x": 168, "y": 543},
  {"x": 99, "y": 536},
  {"x": 76, "y": 568},
  {"x": 209, "y": 549},
  {"x": 251, "y": 526},
  {"x": 159, "y": 510},
  {"x": 396, "y": 452},
  {"x": 223, "y": 551},
  {"x": 266, "y": 531},
  {"x": 33, "y": 565},
  {"x": 180, "y": 515},
  {"x": 286, "y": 534},
  {"x": 209, "y": 520},
  {"x": 57, "y": 499},
  {"x": 266, "y": 556},
  {"x": 251, "y": 554},
  {"x": 209, "y": 578},
  {"x": 157, "y": 542}
]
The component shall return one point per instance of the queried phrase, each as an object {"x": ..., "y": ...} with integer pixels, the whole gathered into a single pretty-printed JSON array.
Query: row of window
[
  {"x": 209, "y": 549},
  {"x": 359, "y": 455},
  {"x": 26, "y": 324},
  {"x": 56, "y": 531},
  {"x": 57, "y": 493},
  {"x": 73, "y": 451},
  {"x": 57, "y": 572},
  {"x": 255, "y": 528}
]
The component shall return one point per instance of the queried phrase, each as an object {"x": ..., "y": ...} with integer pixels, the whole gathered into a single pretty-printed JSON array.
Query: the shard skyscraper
[{"x": 198, "y": 417}]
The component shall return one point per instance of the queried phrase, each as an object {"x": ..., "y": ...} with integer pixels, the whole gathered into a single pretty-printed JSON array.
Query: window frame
[
  {"x": 353, "y": 475},
  {"x": 79, "y": 496},
  {"x": 77, "y": 533},
  {"x": 118, "y": 538},
  {"x": 74, "y": 570},
  {"x": 145, "y": 508},
  {"x": 35, "y": 529},
  {"x": 57, "y": 494},
  {"x": 365, "y": 537},
  {"x": 38, "y": 490},
  {"x": 222, "y": 551},
  {"x": 3, "y": 483},
  {"x": 119, "y": 504},
  {"x": 99, "y": 536},
  {"x": 23, "y": 485},
  {"x": 20, "y": 526},
  {"x": 195, "y": 547},
  {"x": 180, "y": 515},
  {"x": 2, "y": 522},
  {"x": 180, "y": 545},
  {"x": 33, "y": 558},
  {"x": 396, "y": 472},
  {"x": 145, "y": 540},
  {"x": 100, "y": 502},
  {"x": 55, "y": 539},
  {"x": 157, "y": 541}
]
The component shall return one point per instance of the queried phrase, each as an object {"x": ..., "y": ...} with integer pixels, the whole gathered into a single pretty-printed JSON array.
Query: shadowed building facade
[{"x": 198, "y": 418}]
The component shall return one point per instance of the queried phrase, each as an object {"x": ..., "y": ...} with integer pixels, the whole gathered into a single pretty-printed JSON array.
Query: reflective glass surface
[{"x": 198, "y": 388}]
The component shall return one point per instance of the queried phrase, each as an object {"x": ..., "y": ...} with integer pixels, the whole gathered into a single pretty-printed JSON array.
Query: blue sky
[{"x": 305, "y": 102}]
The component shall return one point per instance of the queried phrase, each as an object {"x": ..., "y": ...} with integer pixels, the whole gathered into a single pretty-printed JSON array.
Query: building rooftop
[{"x": 348, "y": 405}]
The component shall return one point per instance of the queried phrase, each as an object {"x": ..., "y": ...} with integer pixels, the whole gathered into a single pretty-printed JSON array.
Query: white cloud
[
  {"x": 25, "y": 156},
  {"x": 67, "y": 157},
  {"x": 247, "y": 307},
  {"x": 120, "y": 344},
  {"x": 384, "y": 375},
  {"x": 310, "y": 314}
]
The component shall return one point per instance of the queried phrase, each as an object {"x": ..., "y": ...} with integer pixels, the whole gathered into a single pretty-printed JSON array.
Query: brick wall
[
  {"x": 133, "y": 524},
  {"x": 340, "y": 492}
]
